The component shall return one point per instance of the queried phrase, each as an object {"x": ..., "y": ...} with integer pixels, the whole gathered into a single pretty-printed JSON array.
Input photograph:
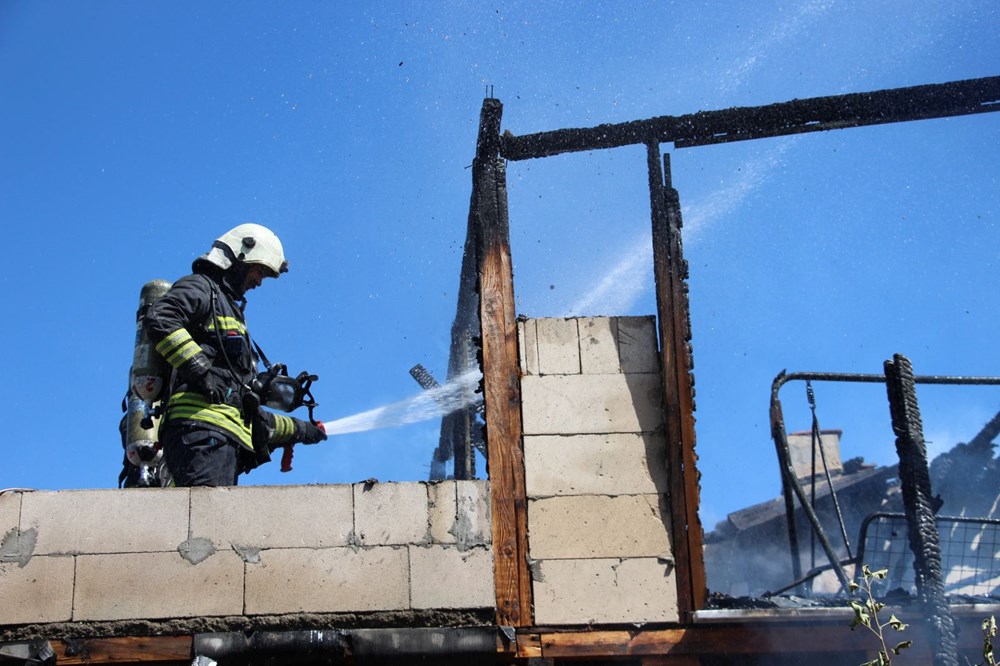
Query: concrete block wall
[
  {"x": 143, "y": 554},
  {"x": 595, "y": 471}
]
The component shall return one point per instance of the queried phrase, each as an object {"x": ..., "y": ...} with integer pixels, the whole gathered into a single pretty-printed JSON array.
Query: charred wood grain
[
  {"x": 914, "y": 475},
  {"x": 673, "y": 319},
  {"x": 797, "y": 116}
]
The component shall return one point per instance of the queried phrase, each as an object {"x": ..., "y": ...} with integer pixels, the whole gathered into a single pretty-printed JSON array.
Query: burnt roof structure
[{"x": 486, "y": 333}]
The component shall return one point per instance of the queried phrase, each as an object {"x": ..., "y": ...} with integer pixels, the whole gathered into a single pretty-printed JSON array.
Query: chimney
[{"x": 800, "y": 450}]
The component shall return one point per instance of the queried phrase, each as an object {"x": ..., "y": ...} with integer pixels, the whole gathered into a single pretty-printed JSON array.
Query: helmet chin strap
[{"x": 235, "y": 280}]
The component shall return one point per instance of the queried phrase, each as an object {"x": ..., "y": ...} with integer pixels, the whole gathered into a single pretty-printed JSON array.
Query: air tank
[{"x": 147, "y": 378}]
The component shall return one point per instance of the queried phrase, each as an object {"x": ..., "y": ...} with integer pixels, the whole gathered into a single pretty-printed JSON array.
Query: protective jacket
[{"x": 202, "y": 314}]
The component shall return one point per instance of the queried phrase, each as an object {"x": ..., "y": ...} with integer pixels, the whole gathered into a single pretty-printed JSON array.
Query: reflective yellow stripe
[
  {"x": 194, "y": 407},
  {"x": 284, "y": 429},
  {"x": 178, "y": 347},
  {"x": 228, "y": 324}
]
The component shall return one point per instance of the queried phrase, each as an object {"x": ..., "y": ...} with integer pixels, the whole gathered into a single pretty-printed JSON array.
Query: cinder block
[
  {"x": 599, "y": 346},
  {"x": 577, "y": 404},
  {"x": 40, "y": 591},
  {"x": 107, "y": 521},
  {"x": 637, "y": 344},
  {"x": 472, "y": 525},
  {"x": 604, "y": 591},
  {"x": 273, "y": 516},
  {"x": 597, "y": 526},
  {"x": 611, "y": 464},
  {"x": 10, "y": 512},
  {"x": 328, "y": 580},
  {"x": 558, "y": 346},
  {"x": 157, "y": 585},
  {"x": 390, "y": 513},
  {"x": 527, "y": 345},
  {"x": 443, "y": 508},
  {"x": 446, "y": 577}
]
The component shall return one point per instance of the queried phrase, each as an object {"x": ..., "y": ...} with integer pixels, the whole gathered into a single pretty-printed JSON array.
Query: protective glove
[
  {"x": 308, "y": 433},
  {"x": 196, "y": 371}
]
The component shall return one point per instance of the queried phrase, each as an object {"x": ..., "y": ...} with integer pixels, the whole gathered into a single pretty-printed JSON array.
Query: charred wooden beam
[
  {"x": 673, "y": 319},
  {"x": 501, "y": 377},
  {"x": 797, "y": 116},
  {"x": 459, "y": 428},
  {"x": 914, "y": 474},
  {"x": 161, "y": 650}
]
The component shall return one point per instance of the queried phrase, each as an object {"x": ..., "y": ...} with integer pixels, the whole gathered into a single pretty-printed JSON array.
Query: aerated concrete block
[
  {"x": 443, "y": 509},
  {"x": 604, "y": 591},
  {"x": 597, "y": 526},
  {"x": 611, "y": 464},
  {"x": 391, "y": 513},
  {"x": 446, "y": 577},
  {"x": 10, "y": 512},
  {"x": 107, "y": 521},
  {"x": 460, "y": 513},
  {"x": 637, "y": 345},
  {"x": 472, "y": 525},
  {"x": 328, "y": 580},
  {"x": 157, "y": 585},
  {"x": 558, "y": 346},
  {"x": 599, "y": 346},
  {"x": 273, "y": 516},
  {"x": 527, "y": 345},
  {"x": 40, "y": 591},
  {"x": 577, "y": 404}
]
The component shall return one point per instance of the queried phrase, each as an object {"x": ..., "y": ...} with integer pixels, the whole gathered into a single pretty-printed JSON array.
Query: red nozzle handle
[{"x": 286, "y": 457}]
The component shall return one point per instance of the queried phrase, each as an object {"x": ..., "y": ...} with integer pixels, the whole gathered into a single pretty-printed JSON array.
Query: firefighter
[{"x": 213, "y": 428}]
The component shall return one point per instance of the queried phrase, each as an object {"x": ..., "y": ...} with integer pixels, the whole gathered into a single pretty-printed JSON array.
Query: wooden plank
[
  {"x": 501, "y": 378},
  {"x": 729, "y": 639},
  {"x": 135, "y": 649},
  {"x": 782, "y": 637},
  {"x": 684, "y": 369},
  {"x": 673, "y": 319},
  {"x": 529, "y": 646}
]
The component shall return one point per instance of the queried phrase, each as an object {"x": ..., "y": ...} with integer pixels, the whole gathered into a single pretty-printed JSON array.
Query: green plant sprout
[
  {"x": 866, "y": 615},
  {"x": 989, "y": 631}
]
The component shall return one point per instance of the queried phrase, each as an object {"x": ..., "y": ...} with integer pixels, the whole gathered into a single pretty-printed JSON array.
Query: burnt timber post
[
  {"x": 501, "y": 376},
  {"x": 915, "y": 477},
  {"x": 674, "y": 321}
]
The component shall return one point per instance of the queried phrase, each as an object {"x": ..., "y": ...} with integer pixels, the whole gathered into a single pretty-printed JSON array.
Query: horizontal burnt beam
[{"x": 797, "y": 116}]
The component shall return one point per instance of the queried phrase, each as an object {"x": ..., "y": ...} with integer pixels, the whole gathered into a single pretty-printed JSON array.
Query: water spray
[{"x": 454, "y": 394}]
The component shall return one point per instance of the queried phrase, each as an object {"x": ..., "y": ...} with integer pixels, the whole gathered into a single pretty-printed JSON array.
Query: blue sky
[{"x": 132, "y": 134}]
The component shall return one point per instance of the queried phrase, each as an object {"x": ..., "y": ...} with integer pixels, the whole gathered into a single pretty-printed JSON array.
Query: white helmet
[{"x": 249, "y": 244}]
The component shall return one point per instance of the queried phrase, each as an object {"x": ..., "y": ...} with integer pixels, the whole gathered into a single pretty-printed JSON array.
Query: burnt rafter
[{"x": 797, "y": 116}]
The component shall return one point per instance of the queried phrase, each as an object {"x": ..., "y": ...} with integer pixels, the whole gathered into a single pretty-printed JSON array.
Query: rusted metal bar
[
  {"x": 915, "y": 477},
  {"x": 780, "y": 436},
  {"x": 797, "y": 116},
  {"x": 960, "y": 380},
  {"x": 673, "y": 318},
  {"x": 501, "y": 377}
]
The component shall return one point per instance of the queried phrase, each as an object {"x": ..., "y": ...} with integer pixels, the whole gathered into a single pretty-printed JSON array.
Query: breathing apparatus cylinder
[{"x": 147, "y": 378}]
